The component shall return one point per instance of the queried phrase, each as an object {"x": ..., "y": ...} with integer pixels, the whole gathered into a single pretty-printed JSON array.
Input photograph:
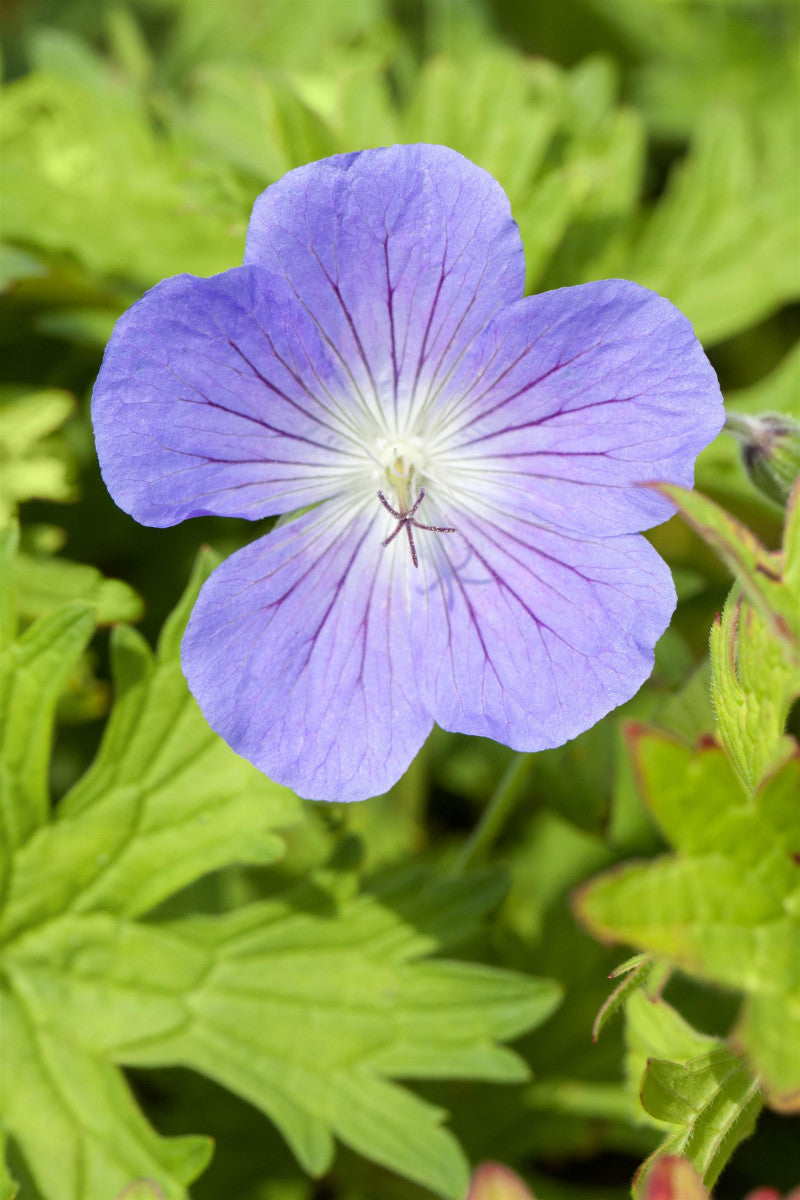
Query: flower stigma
[{"x": 400, "y": 477}]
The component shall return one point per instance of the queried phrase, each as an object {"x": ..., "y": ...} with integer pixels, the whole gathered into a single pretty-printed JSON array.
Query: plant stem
[{"x": 506, "y": 794}]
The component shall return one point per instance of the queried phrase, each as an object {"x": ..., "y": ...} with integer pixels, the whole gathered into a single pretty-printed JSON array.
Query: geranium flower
[{"x": 472, "y": 459}]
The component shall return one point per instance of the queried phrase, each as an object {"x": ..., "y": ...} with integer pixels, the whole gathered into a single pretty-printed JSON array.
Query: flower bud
[
  {"x": 674, "y": 1178},
  {"x": 770, "y": 450},
  {"x": 492, "y": 1181}
]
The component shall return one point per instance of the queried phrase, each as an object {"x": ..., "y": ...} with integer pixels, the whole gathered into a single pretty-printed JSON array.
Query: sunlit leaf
[
  {"x": 86, "y": 172},
  {"x": 74, "y": 1119},
  {"x": 46, "y": 584},
  {"x": 724, "y": 908},
  {"x": 310, "y": 1005},
  {"x": 753, "y": 685},
  {"x": 723, "y": 242},
  {"x": 714, "y": 1100},
  {"x": 635, "y": 972},
  {"x": 33, "y": 670},
  {"x": 34, "y": 461},
  {"x": 759, "y": 572},
  {"x": 718, "y": 908}
]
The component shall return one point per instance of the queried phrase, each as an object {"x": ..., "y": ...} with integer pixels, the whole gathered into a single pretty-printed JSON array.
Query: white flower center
[{"x": 401, "y": 464}]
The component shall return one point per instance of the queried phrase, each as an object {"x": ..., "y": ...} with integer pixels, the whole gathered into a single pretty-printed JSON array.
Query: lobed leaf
[
  {"x": 753, "y": 684},
  {"x": 305, "y": 1011},
  {"x": 163, "y": 792},
  {"x": 43, "y": 585},
  {"x": 769, "y": 1031},
  {"x": 718, "y": 910},
  {"x": 79, "y": 145},
  {"x": 75, "y": 1121},
  {"x": 33, "y": 460},
  {"x": 759, "y": 572},
  {"x": 656, "y": 1030},
  {"x": 310, "y": 1005},
  {"x": 725, "y": 907},
  {"x": 714, "y": 1099},
  {"x": 33, "y": 669},
  {"x": 722, "y": 242},
  {"x": 690, "y": 1080}
]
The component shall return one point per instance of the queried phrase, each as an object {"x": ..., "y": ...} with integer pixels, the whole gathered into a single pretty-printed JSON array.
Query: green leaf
[
  {"x": 570, "y": 162},
  {"x": 46, "y": 584},
  {"x": 689, "y": 55},
  {"x": 687, "y": 1079},
  {"x": 755, "y": 645},
  {"x": 309, "y": 1005},
  {"x": 769, "y": 1027},
  {"x": 33, "y": 669},
  {"x": 724, "y": 908},
  {"x": 719, "y": 908},
  {"x": 33, "y": 460},
  {"x": 779, "y": 391},
  {"x": 164, "y": 789},
  {"x": 753, "y": 685},
  {"x": 74, "y": 1120},
  {"x": 483, "y": 120},
  {"x": 84, "y": 325},
  {"x": 759, "y": 572},
  {"x": 33, "y": 674},
  {"x": 769, "y": 1030},
  {"x": 791, "y": 543},
  {"x": 297, "y": 35},
  {"x": 714, "y": 1100},
  {"x": 9, "y": 1188},
  {"x": 16, "y": 264},
  {"x": 723, "y": 241},
  {"x": 86, "y": 172},
  {"x": 636, "y": 971},
  {"x": 348, "y": 978},
  {"x": 654, "y": 1029},
  {"x": 257, "y": 123}
]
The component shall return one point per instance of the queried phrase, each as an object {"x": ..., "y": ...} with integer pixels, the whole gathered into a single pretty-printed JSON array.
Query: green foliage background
[{"x": 329, "y": 992}]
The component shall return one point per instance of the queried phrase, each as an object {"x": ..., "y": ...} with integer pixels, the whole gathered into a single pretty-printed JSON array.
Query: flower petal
[
  {"x": 217, "y": 396},
  {"x": 299, "y": 655},
  {"x": 401, "y": 255},
  {"x": 573, "y": 398},
  {"x": 535, "y": 635}
]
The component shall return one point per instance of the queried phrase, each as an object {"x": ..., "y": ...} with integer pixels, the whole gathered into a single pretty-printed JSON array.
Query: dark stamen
[{"x": 405, "y": 520}]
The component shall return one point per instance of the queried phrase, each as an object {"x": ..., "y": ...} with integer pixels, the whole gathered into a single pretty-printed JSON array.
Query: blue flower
[{"x": 473, "y": 460}]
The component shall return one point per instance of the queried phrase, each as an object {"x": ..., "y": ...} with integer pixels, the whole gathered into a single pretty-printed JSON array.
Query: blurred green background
[{"x": 655, "y": 140}]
